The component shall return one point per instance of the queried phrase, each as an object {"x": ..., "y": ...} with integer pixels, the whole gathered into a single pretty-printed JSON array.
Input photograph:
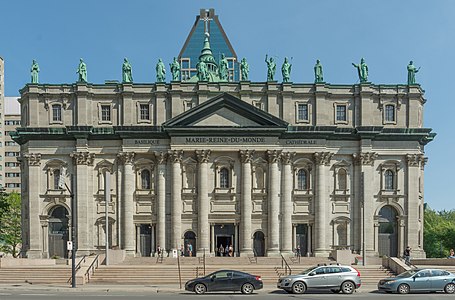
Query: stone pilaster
[
  {"x": 364, "y": 169},
  {"x": 176, "y": 212},
  {"x": 161, "y": 159},
  {"x": 273, "y": 157},
  {"x": 35, "y": 236},
  {"x": 321, "y": 239},
  {"x": 203, "y": 157},
  {"x": 246, "y": 157},
  {"x": 286, "y": 202},
  {"x": 128, "y": 188},
  {"x": 413, "y": 203}
]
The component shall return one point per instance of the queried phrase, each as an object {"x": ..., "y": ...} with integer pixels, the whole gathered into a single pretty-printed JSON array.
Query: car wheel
[
  {"x": 247, "y": 288},
  {"x": 200, "y": 288},
  {"x": 298, "y": 287},
  {"x": 403, "y": 288},
  {"x": 449, "y": 288},
  {"x": 347, "y": 287}
]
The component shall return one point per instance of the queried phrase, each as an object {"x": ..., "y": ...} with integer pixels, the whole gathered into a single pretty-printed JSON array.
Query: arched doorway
[
  {"x": 388, "y": 231},
  {"x": 190, "y": 243},
  {"x": 58, "y": 232},
  {"x": 258, "y": 243}
]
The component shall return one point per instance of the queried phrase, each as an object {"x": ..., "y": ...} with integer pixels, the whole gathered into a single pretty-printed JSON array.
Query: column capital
[
  {"x": 364, "y": 158},
  {"x": 273, "y": 156},
  {"x": 83, "y": 158},
  {"x": 33, "y": 159},
  {"x": 322, "y": 158},
  {"x": 413, "y": 160},
  {"x": 287, "y": 157},
  {"x": 176, "y": 155},
  {"x": 161, "y": 157},
  {"x": 126, "y": 158},
  {"x": 203, "y": 156},
  {"x": 246, "y": 156}
]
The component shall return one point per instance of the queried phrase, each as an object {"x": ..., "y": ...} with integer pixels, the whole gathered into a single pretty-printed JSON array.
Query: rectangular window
[
  {"x": 11, "y": 153},
  {"x": 105, "y": 113},
  {"x": 341, "y": 113},
  {"x": 302, "y": 112},
  {"x": 390, "y": 113},
  {"x": 145, "y": 111},
  {"x": 56, "y": 113}
]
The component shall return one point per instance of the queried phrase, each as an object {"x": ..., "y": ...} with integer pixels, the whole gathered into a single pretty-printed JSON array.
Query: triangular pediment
[{"x": 225, "y": 111}]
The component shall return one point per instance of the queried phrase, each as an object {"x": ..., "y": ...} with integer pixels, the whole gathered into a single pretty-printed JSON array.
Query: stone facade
[
  {"x": 265, "y": 167},
  {"x": 2, "y": 116}
]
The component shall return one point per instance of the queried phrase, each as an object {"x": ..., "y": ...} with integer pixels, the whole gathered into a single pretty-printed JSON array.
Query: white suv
[{"x": 334, "y": 277}]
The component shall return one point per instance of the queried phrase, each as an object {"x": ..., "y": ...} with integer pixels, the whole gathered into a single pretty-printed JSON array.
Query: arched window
[
  {"x": 224, "y": 178},
  {"x": 56, "y": 179},
  {"x": 302, "y": 180},
  {"x": 145, "y": 179},
  {"x": 390, "y": 113},
  {"x": 388, "y": 180},
  {"x": 342, "y": 179}
]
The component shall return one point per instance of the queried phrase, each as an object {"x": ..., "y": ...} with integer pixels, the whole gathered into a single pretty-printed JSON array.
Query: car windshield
[
  {"x": 407, "y": 273},
  {"x": 307, "y": 271}
]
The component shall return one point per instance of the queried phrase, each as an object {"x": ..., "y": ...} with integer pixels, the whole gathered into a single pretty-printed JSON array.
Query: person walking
[{"x": 407, "y": 255}]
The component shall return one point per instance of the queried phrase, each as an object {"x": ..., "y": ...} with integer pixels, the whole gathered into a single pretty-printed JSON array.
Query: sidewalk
[{"x": 167, "y": 288}]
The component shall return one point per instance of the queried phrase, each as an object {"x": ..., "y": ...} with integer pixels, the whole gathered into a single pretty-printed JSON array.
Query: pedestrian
[
  {"x": 221, "y": 250},
  {"x": 297, "y": 251},
  {"x": 226, "y": 250},
  {"x": 189, "y": 248},
  {"x": 452, "y": 254},
  {"x": 159, "y": 251},
  {"x": 407, "y": 255},
  {"x": 181, "y": 249},
  {"x": 231, "y": 250}
]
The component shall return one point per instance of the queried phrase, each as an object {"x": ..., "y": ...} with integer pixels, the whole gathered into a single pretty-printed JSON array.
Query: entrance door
[
  {"x": 224, "y": 238},
  {"x": 258, "y": 244},
  {"x": 302, "y": 238},
  {"x": 190, "y": 243},
  {"x": 58, "y": 232},
  {"x": 145, "y": 240},
  {"x": 388, "y": 235}
]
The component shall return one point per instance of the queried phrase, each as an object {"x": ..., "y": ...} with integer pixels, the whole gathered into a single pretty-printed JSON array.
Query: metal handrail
[
  {"x": 92, "y": 267},
  {"x": 77, "y": 267},
  {"x": 285, "y": 265}
]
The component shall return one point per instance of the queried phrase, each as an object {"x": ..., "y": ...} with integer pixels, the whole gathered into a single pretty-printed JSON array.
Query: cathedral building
[{"x": 214, "y": 159}]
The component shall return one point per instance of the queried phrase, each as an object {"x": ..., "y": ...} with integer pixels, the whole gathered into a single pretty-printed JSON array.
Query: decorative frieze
[
  {"x": 203, "y": 156},
  {"x": 176, "y": 155},
  {"x": 126, "y": 158},
  {"x": 287, "y": 157},
  {"x": 246, "y": 156},
  {"x": 322, "y": 158},
  {"x": 83, "y": 158},
  {"x": 364, "y": 158},
  {"x": 413, "y": 160},
  {"x": 33, "y": 159},
  {"x": 273, "y": 156}
]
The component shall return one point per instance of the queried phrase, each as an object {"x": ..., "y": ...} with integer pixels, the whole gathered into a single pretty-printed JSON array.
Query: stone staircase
[{"x": 57, "y": 274}]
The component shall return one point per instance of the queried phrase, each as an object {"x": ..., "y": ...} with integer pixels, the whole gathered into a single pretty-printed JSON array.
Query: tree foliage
[
  {"x": 10, "y": 224},
  {"x": 439, "y": 232}
]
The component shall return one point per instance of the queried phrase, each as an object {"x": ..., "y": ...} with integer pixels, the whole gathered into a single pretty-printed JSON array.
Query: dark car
[
  {"x": 419, "y": 280},
  {"x": 225, "y": 280}
]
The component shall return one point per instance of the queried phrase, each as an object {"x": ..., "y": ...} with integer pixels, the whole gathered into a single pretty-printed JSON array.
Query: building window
[
  {"x": 342, "y": 180},
  {"x": 224, "y": 178},
  {"x": 56, "y": 179},
  {"x": 144, "y": 112},
  {"x": 11, "y": 153},
  {"x": 302, "y": 112},
  {"x": 341, "y": 113},
  {"x": 11, "y": 143},
  {"x": 12, "y": 175},
  {"x": 390, "y": 113},
  {"x": 56, "y": 113},
  {"x": 145, "y": 179},
  {"x": 105, "y": 113},
  {"x": 388, "y": 180},
  {"x": 302, "y": 180}
]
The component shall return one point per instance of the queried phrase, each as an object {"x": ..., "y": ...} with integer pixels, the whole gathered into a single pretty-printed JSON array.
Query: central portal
[{"x": 224, "y": 239}]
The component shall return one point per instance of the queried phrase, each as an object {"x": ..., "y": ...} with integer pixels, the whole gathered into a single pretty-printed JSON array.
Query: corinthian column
[
  {"x": 203, "y": 203},
  {"x": 33, "y": 181},
  {"x": 286, "y": 203},
  {"x": 128, "y": 187},
  {"x": 273, "y": 157},
  {"x": 82, "y": 160},
  {"x": 176, "y": 212},
  {"x": 413, "y": 204},
  {"x": 322, "y": 246},
  {"x": 246, "y": 209},
  {"x": 161, "y": 158}
]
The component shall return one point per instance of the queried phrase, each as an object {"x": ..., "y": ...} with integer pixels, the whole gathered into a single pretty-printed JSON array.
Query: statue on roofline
[
  {"x": 318, "y": 75},
  {"x": 160, "y": 71},
  {"x": 244, "y": 69},
  {"x": 34, "y": 70},
  {"x": 362, "y": 70},
  {"x": 175, "y": 70},
  {"x": 271, "y": 68},
  {"x": 127, "y": 71},
  {"x": 82, "y": 71}
]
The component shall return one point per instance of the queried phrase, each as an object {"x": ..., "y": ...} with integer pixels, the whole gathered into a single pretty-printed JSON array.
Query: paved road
[{"x": 27, "y": 292}]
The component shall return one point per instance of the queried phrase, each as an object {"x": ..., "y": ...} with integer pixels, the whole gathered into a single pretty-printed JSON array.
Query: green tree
[
  {"x": 10, "y": 224},
  {"x": 439, "y": 232}
]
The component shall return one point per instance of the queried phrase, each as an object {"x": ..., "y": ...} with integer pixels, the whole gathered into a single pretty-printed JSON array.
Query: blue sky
[{"x": 387, "y": 33}]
